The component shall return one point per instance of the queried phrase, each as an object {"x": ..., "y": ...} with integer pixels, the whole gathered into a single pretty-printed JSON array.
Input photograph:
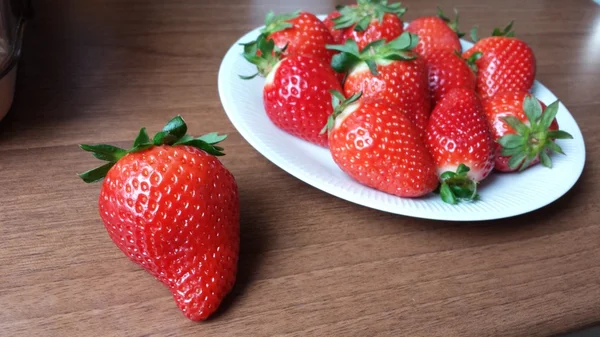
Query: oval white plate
[{"x": 502, "y": 195}]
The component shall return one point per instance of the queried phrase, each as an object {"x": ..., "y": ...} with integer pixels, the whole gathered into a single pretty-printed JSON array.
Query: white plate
[{"x": 502, "y": 195}]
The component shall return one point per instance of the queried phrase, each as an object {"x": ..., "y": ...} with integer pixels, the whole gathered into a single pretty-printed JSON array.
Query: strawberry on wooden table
[
  {"x": 172, "y": 207},
  {"x": 296, "y": 90},
  {"x": 378, "y": 146},
  {"x": 448, "y": 70},
  {"x": 367, "y": 21},
  {"x": 436, "y": 32},
  {"x": 388, "y": 71},
  {"x": 524, "y": 128},
  {"x": 300, "y": 33},
  {"x": 459, "y": 139},
  {"x": 506, "y": 63}
]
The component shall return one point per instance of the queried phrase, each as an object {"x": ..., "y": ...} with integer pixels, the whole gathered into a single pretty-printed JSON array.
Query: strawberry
[
  {"x": 368, "y": 21},
  {"x": 389, "y": 71},
  {"x": 448, "y": 70},
  {"x": 378, "y": 146},
  {"x": 296, "y": 91},
  {"x": 524, "y": 128},
  {"x": 436, "y": 32},
  {"x": 173, "y": 208},
  {"x": 458, "y": 134},
  {"x": 300, "y": 33},
  {"x": 506, "y": 64}
]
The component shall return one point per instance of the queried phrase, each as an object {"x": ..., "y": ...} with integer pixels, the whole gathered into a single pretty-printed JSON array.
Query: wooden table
[{"x": 311, "y": 264}]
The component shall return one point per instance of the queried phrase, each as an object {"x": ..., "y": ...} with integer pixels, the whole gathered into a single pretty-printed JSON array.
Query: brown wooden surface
[{"x": 311, "y": 264}]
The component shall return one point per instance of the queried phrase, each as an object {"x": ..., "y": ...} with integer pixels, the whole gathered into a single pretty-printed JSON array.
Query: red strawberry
[
  {"x": 173, "y": 208},
  {"x": 296, "y": 91},
  {"x": 389, "y": 71},
  {"x": 375, "y": 144},
  {"x": 458, "y": 134},
  {"x": 447, "y": 71},
  {"x": 506, "y": 64},
  {"x": 524, "y": 129},
  {"x": 436, "y": 32},
  {"x": 368, "y": 21},
  {"x": 300, "y": 33}
]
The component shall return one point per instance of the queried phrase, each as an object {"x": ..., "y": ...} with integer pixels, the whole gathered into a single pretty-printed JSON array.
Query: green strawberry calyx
[
  {"x": 264, "y": 54},
  {"x": 361, "y": 15},
  {"x": 339, "y": 103},
  {"x": 533, "y": 139},
  {"x": 472, "y": 60},
  {"x": 173, "y": 133},
  {"x": 275, "y": 23},
  {"x": 453, "y": 24},
  {"x": 457, "y": 186},
  {"x": 506, "y": 31},
  {"x": 398, "y": 49}
]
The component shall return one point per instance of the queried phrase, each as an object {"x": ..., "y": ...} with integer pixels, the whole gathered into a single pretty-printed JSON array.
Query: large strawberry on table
[{"x": 172, "y": 207}]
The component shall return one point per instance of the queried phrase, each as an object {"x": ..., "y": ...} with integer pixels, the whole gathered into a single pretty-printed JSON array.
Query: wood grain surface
[{"x": 310, "y": 264}]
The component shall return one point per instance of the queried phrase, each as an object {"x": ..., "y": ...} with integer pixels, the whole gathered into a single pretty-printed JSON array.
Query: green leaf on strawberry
[
  {"x": 457, "y": 186},
  {"x": 507, "y": 31},
  {"x": 533, "y": 141},
  {"x": 453, "y": 24},
  {"x": 364, "y": 12},
  {"x": 275, "y": 23},
  {"x": 339, "y": 103},
  {"x": 269, "y": 56},
  {"x": 173, "y": 133},
  {"x": 350, "y": 56}
]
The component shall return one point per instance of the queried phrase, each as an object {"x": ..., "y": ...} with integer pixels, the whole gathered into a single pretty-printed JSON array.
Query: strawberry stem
[
  {"x": 364, "y": 12},
  {"x": 453, "y": 24},
  {"x": 263, "y": 54},
  {"x": 275, "y": 23},
  {"x": 457, "y": 186},
  {"x": 507, "y": 31},
  {"x": 532, "y": 141},
  {"x": 395, "y": 50},
  {"x": 173, "y": 133},
  {"x": 339, "y": 103}
]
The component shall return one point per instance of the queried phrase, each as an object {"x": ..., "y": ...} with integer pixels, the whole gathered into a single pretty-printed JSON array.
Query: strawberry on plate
[
  {"x": 436, "y": 32},
  {"x": 300, "y": 33},
  {"x": 524, "y": 128},
  {"x": 378, "y": 146},
  {"x": 296, "y": 90},
  {"x": 367, "y": 21},
  {"x": 448, "y": 70},
  {"x": 388, "y": 71},
  {"x": 506, "y": 63},
  {"x": 459, "y": 139},
  {"x": 172, "y": 207}
]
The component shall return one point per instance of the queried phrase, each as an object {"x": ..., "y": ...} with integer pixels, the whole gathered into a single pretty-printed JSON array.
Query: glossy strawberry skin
[
  {"x": 404, "y": 83},
  {"x": 296, "y": 96},
  {"x": 308, "y": 36},
  {"x": 378, "y": 146},
  {"x": 175, "y": 212},
  {"x": 390, "y": 28},
  {"x": 503, "y": 104},
  {"x": 458, "y": 133},
  {"x": 507, "y": 64},
  {"x": 433, "y": 34},
  {"x": 448, "y": 71}
]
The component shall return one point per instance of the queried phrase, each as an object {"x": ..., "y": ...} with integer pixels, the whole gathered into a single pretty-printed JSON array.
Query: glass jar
[{"x": 13, "y": 15}]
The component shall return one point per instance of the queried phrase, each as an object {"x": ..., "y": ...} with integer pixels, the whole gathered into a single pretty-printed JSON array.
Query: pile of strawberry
[{"x": 405, "y": 111}]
